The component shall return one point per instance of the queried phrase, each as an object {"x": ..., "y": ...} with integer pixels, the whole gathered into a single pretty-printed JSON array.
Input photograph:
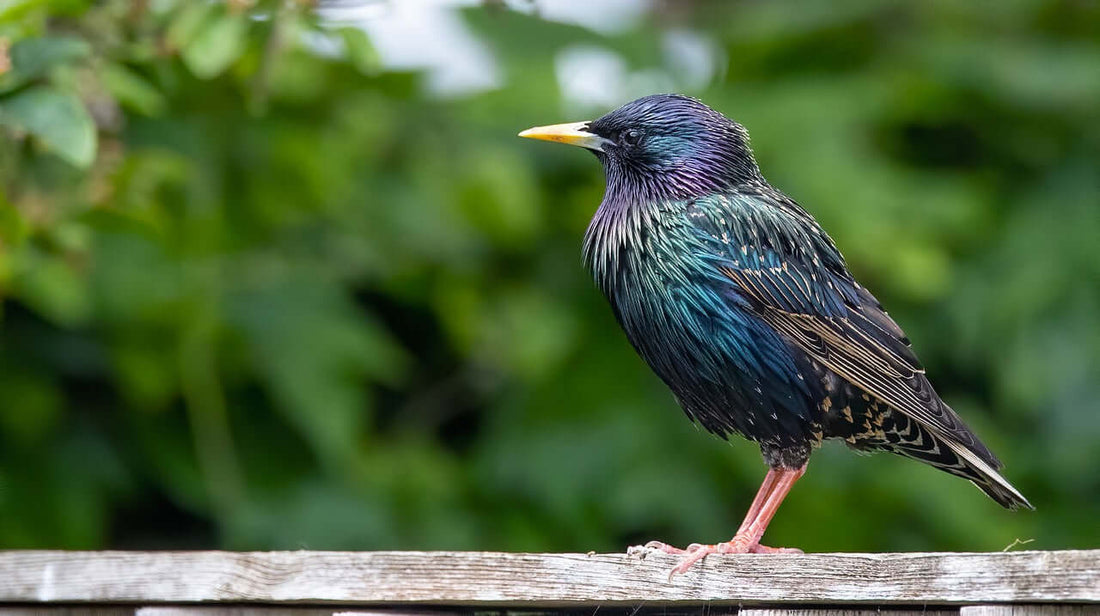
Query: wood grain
[
  {"x": 547, "y": 580},
  {"x": 233, "y": 610},
  {"x": 1030, "y": 610},
  {"x": 842, "y": 612},
  {"x": 55, "y": 610},
  {"x": 846, "y": 612}
]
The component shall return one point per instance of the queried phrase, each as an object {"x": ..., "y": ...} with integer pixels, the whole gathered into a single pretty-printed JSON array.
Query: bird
[{"x": 745, "y": 308}]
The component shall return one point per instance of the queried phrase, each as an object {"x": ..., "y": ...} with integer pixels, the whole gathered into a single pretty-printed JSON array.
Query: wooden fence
[{"x": 45, "y": 583}]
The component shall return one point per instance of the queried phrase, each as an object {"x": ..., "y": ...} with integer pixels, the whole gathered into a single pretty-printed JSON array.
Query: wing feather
[{"x": 796, "y": 281}]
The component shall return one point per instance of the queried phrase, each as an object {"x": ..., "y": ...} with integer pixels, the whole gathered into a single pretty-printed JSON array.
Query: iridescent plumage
[{"x": 744, "y": 307}]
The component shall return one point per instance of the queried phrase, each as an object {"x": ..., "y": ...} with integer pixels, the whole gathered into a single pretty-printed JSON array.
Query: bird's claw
[
  {"x": 642, "y": 551},
  {"x": 699, "y": 551},
  {"x": 664, "y": 547}
]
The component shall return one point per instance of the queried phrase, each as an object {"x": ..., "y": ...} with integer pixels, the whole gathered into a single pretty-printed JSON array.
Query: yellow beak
[{"x": 571, "y": 134}]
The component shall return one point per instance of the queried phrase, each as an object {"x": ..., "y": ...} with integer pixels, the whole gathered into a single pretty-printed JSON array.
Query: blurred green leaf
[
  {"x": 54, "y": 288},
  {"x": 34, "y": 57},
  {"x": 219, "y": 39},
  {"x": 16, "y": 9},
  {"x": 187, "y": 23},
  {"x": 360, "y": 51},
  {"x": 13, "y": 227},
  {"x": 132, "y": 90},
  {"x": 57, "y": 119}
]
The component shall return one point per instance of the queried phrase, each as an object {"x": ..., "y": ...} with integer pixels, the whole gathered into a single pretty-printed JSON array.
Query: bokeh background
[{"x": 280, "y": 275}]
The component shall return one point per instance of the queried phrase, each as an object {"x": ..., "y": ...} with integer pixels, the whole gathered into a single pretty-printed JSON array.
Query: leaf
[
  {"x": 217, "y": 43},
  {"x": 57, "y": 119},
  {"x": 188, "y": 23},
  {"x": 34, "y": 57},
  {"x": 54, "y": 289},
  {"x": 17, "y": 9},
  {"x": 13, "y": 227},
  {"x": 132, "y": 90},
  {"x": 360, "y": 52}
]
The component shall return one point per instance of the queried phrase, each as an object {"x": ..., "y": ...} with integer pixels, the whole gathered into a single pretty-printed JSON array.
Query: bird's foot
[
  {"x": 698, "y": 551},
  {"x": 642, "y": 551}
]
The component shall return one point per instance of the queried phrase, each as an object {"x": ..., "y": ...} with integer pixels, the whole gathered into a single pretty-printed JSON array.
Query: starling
[{"x": 742, "y": 304}]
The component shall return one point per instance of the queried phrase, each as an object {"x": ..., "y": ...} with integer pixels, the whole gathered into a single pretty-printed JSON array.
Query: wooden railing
[{"x": 40, "y": 583}]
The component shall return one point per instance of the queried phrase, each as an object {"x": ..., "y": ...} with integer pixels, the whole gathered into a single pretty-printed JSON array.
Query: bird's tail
[
  {"x": 986, "y": 477},
  {"x": 947, "y": 453}
]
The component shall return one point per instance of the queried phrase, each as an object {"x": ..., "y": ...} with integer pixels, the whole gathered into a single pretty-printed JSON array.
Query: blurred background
[{"x": 279, "y": 274}]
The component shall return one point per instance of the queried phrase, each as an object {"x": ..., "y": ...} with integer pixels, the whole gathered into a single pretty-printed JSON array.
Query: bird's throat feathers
[
  {"x": 638, "y": 212},
  {"x": 633, "y": 243},
  {"x": 616, "y": 227}
]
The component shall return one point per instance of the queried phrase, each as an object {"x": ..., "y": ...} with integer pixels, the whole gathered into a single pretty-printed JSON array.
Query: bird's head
[{"x": 664, "y": 145}]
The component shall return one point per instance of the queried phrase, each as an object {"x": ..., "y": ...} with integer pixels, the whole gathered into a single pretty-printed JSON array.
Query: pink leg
[
  {"x": 754, "y": 510},
  {"x": 777, "y": 483},
  {"x": 761, "y": 497}
]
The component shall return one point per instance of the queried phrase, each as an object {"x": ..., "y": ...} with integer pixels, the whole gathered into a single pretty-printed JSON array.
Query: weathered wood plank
[
  {"x": 274, "y": 610},
  {"x": 839, "y": 612},
  {"x": 527, "y": 580},
  {"x": 236, "y": 610},
  {"x": 55, "y": 610},
  {"x": 1030, "y": 610}
]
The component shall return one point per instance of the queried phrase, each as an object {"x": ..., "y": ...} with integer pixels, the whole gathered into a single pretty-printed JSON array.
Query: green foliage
[
  {"x": 34, "y": 57},
  {"x": 210, "y": 37},
  {"x": 263, "y": 292},
  {"x": 58, "y": 120}
]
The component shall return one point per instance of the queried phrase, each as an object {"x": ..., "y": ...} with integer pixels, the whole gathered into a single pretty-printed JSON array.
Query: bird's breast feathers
[{"x": 661, "y": 270}]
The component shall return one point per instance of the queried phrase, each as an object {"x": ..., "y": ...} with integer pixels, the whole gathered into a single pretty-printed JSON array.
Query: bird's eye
[{"x": 631, "y": 137}]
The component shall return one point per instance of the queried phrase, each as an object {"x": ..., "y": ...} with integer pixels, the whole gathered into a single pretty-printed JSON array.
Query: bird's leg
[
  {"x": 752, "y": 529},
  {"x": 777, "y": 483},
  {"x": 766, "y": 487}
]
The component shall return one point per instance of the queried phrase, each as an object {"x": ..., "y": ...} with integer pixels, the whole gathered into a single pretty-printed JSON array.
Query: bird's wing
[{"x": 791, "y": 275}]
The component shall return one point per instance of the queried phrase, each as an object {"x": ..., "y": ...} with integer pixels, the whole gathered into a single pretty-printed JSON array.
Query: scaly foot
[{"x": 697, "y": 551}]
